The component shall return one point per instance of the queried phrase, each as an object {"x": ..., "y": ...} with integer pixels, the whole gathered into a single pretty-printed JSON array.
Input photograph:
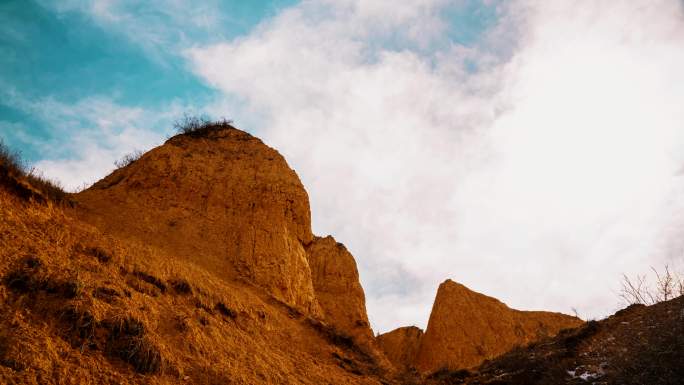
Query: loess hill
[
  {"x": 466, "y": 328},
  {"x": 196, "y": 264}
]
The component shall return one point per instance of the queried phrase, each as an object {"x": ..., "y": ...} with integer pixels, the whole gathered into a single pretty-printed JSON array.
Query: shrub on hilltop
[{"x": 200, "y": 126}]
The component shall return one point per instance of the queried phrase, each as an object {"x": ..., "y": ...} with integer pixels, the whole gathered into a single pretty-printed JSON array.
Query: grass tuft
[
  {"x": 226, "y": 311},
  {"x": 27, "y": 183},
  {"x": 200, "y": 126},
  {"x": 102, "y": 255},
  {"x": 151, "y": 279},
  {"x": 181, "y": 286},
  {"x": 128, "y": 341},
  {"x": 129, "y": 159}
]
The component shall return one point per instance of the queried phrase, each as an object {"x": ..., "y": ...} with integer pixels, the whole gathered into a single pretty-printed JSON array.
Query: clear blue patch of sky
[{"x": 468, "y": 20}]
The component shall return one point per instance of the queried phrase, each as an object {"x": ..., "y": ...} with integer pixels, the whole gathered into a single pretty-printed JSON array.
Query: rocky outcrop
[
  {"x": 337, "y": 287},
  {"x": 466, "y": 328},
  {"x": 637, "y": 345},
  {"x": 224, "y": 201},
  {"x": 401, "y": 345}
]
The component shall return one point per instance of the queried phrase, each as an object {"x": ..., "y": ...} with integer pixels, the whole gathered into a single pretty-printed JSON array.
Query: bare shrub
[
  {"x": 575, "y": 312},
  {"x": 200, "y": 126},
  {"x": 10, "y": 161},
  {"x": 181, "y": 286},
  {"x": 666, "y": 286},
  {"x": 128, "y": 159}
]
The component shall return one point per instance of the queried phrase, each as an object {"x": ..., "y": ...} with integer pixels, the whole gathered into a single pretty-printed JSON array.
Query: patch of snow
[{"x": 586, "y": 374}]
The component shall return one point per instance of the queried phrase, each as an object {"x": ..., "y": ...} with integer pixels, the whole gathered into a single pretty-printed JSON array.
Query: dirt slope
[
  {"x": 187, "y": 266},
  {"x": 636, "y": 346},
  {"x": 466, "y": 328},
  {"x": 401, "y": 345}
]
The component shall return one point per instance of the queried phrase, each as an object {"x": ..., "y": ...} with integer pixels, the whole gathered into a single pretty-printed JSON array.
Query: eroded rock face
[
  {"x": 337, "y": 287},
  {"x": 401, "y": 345},
  {"x": 466, "y": 328},
  {"x": 224, "y": 201}
]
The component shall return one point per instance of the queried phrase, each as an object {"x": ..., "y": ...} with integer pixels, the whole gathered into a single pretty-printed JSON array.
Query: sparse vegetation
[
  {"x": 79, "y": 325},
  {"x": 226, "y": 311},
  {"x": 28, "y": 277},
  {"x": 99, "y": 253},
  {"x": 128, "y": 341},
  {"x": 129, "y": 159},
  {"x": 181, "y": 286},
  {"x": 638, "y": 290},
  {"x": 151, "y": 279},
  {"x": 200, "y": 126},
  {"x": 26, "y": 182},
  {"x": 10, "y": 161},
  {"x": 106, "y": 294}
]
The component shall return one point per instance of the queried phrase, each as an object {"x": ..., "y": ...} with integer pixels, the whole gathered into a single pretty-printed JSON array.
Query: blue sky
[
  {"x": 519, "y": 147},
  {"x": 66, "y": 52}
]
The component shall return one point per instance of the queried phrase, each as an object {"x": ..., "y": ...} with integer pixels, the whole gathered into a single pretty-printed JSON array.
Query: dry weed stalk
[{"x": 668, "y": 285}]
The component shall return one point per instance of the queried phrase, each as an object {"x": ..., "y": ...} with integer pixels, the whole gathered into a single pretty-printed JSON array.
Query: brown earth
[
  {"x": 467, "y": 328},
  {"x": 225, "y": 202},
  {"x": 81, "y": 307},
  {"x": 401, "y": 345},
  {"x": 337, "y": 288},
  {"x": 638, "y": 345},
  {"x": 187, "y": 266}
]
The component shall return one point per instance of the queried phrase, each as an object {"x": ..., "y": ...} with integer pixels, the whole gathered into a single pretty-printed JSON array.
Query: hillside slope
[
  {"x": 187, "y": 266},
  {"x": 635, "y": 346}
]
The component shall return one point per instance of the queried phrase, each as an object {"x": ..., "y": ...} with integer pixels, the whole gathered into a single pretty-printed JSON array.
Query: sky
[{"x": 531, "y": 150}]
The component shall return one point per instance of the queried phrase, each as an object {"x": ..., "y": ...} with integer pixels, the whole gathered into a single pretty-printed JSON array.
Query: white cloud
[
  {"x": 538, "y": 178},
  {"x": 89, "y": 135},
  {"x": 159, "y": 27}
]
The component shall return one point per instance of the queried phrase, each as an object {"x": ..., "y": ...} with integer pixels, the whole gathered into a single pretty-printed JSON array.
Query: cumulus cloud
[{"x": 535, "y": 165}]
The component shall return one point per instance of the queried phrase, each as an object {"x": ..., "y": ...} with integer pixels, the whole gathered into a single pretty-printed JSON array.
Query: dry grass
[
  {"x": 129, "y": 159},
  {"x": 200, "y": 126},
  {"x": 181, "y": 286},
  {"x": 25, "y": 182},
  {"x": 68, "y": 310}
]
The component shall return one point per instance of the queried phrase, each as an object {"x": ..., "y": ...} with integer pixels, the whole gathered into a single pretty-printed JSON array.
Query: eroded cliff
[
  {"x": 466, "y": 328},
  {"x": 224, "y": 201}
]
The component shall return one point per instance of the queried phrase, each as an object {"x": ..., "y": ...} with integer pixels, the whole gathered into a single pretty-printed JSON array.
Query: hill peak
[
  {"x": 222, "y": 200},
  {"x": 465, "y": 328}
]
